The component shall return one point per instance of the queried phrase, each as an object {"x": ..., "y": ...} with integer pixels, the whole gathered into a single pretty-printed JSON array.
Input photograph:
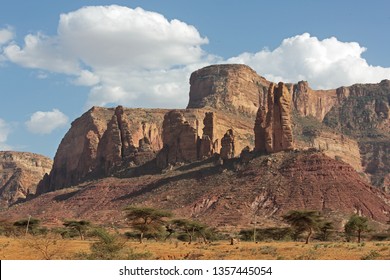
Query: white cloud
[
  {"x": 141, "y": 59},
  {"x": 42, "y": 52},
  {"x": 5, "y": 130},
  {"x": 124, "y": 54},
  {"x": 45, "y": 122},
  {"x": 6, "y": 35},
  {"x": 325, "y": 64}
]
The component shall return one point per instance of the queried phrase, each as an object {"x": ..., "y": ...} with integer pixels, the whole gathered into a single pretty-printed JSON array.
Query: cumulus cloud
[
  {"x": 327, "y": 63},
  {"x": 139, "y": 58},
  {"x": 45, "y": 122},
  {"x": 4, "y": 132},
  {"x": 6, "y": 35},
  {"x": 123, "y": 54}
]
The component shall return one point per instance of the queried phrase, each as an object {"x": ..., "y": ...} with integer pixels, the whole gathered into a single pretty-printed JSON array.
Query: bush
[
  {"x": 263, "y": 234},
  {"x": 110, "y": 247}
]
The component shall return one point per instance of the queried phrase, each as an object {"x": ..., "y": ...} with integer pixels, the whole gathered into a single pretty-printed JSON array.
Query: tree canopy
[
  {"x": 356, "y": 224},
  {"x": 146, "y": 219},
  {"x": 303, "y": 221}
]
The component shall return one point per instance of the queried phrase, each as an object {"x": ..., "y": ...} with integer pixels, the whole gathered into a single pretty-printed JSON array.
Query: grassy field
[{"x": 36, "y": 249}]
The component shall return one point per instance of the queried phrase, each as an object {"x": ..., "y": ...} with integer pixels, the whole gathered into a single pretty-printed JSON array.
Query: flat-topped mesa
[
  {"x": 227, "y": 87},
  {"x": 273, "y": 129}
]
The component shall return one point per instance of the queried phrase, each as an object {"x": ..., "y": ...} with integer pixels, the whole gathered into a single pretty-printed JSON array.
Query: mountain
[
  {"x": 243, "y": 147},
  {"x": 20, "y": 173}
]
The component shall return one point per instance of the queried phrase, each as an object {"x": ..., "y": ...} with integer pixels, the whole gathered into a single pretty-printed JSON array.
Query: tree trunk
[
  {"x": 141, "y": 237},
  {"x": 308, "y": 236},
  {"x": 359, "y": 235}
]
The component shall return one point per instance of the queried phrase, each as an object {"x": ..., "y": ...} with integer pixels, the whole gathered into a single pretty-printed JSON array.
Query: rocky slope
[
  {"x": 225, "y": 196},
  {"x": 20, "y": 172}
]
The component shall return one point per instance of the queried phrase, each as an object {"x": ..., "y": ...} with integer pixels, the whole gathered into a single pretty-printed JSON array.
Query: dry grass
[{"x": 21, "y": 249}]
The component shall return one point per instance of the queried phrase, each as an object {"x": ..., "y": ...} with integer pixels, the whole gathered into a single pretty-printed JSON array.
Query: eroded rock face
[
  {"x": 227, "y": 87},
  {"x": 363, "y": 114},
  {"x": 100, "y": 141},
  {"x": 227, "y": 143},
  {"x": 20, "y": 173},
  {"x": 179, "y": 138},
  {"x": 208, "y": 144},
  {"x": 309, "y": 102},
  {"x": 273, "y": 131}
]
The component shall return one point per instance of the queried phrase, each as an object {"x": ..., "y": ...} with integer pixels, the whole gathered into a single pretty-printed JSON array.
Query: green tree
[
  {"x": 80, "y": 226},
  {"x": 303, "y": 221},
  {"x": 28, "y": 225},
  {"x": 146, "y": 220},
  {"x": 325, "y": 228},
  {"x": 190, "y": 228},
  {"x": 356, "y": 225}
]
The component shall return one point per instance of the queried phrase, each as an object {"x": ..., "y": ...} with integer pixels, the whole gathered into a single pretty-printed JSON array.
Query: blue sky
[{"x": 54, "y": 68}]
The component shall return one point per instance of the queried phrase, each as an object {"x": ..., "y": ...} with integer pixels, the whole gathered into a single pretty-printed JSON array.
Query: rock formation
[
  {"x": 363, "y": 113},
  {"x": 111, "y": 141},
  {"x": 20, "y": 173},
  {"x": 227, "y": 87},
  {"x": 227, "y": 145},
  {"x": 101, "y": 141},
  {"x": 273, "y": 131},
  {"x": 208, "y": 143},
  {"x": 309, "y": 102},
  {"x": 180, "y": 140}
]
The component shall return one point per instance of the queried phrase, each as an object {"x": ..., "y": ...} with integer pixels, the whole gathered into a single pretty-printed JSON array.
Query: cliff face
[
  {"x": 309, "y": 102},
  {"x": 101, "y": 141},
  {"x": 363, "y": 114},
  {"x": 362, "y": 110},
  {"x": 273, "y": 127},
  {"x": 228, "y": 87},
  {"x": 20, "y": 173}
]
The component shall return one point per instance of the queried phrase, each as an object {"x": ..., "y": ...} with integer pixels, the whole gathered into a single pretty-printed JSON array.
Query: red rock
[
  {"x": 227, "y": 143},
  {"x": 20, "y": 173},
  {"x": 273, "y": 127}
]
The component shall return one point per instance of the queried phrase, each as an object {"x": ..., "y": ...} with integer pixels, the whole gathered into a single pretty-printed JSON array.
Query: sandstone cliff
[
  {"x": 309, "y": 102},
  {"x": 273, "y": 127},
  {"x": 227, "y": 87},
  {"x": 101, "y": 141},
  {"x": 20, "y": 173},
  {"x": 362, "y": 113}
]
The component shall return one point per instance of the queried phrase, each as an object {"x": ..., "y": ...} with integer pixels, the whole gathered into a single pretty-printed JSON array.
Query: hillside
[{"x": 222, "y": 195}]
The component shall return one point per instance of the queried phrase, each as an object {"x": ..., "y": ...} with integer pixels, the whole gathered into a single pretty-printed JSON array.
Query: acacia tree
[
  {"x": 190, "y": 228},
  {"x": 29, "y": 225},
  {"x": 356, "y": 224},
  {"x": 146, "y": 220},
  {"x": 80, "y": 226},
  {"x": 303, "y": 220},
  {"x": 325, "y": 229}
]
